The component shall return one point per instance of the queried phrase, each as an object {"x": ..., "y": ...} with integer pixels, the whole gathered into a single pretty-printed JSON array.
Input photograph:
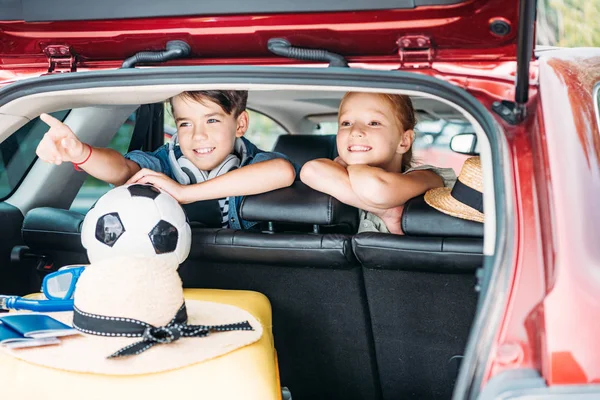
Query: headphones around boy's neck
[{"x": 186, "y": 172}]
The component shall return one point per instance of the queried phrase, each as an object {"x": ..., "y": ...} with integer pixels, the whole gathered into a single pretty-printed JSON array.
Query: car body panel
[
  {"x": 551, "y": 319},
  {"x": 457, "y": 32}
]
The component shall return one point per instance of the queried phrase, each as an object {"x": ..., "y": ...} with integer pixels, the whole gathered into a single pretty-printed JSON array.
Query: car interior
[{"x": 355, "y": 316}]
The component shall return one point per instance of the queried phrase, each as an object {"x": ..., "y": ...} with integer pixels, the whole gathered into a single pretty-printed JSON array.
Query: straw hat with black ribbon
[
  {"x": 133, "y": 320},
  {"x": 465, "y": 199}
]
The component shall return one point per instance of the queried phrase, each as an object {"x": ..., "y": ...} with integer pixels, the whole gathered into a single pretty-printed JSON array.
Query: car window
[
  {"x": 92, "y": 188},
  {"x": 326, "y": 128},
  {"x": 432, "y": 143},
  {"x": 263, "y": 131},
  {"x": 17, "y": 153}
]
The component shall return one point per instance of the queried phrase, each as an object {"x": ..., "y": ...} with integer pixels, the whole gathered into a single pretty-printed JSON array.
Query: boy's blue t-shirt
[{"x": 158, "y": 161}]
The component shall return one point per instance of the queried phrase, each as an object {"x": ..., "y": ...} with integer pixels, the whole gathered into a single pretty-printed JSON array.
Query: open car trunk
[
  {"x": 348, "y": 322},
  {"x": 398, "y": 32}
]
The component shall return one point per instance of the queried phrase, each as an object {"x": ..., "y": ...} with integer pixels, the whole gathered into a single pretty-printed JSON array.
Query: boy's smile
[
  {"x": 206, "y": 132},
  {"x": 202, "y": 151}
]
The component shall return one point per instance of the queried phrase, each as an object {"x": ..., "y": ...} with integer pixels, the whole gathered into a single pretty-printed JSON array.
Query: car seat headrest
[
  {"x": 299, "y": 204},
  {"x": 303, "y": 148},
  {"x": 420, "y": 219}
]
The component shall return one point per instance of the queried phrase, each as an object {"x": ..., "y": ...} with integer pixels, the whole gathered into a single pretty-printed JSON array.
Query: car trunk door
[{"x": 103, "y": 34}]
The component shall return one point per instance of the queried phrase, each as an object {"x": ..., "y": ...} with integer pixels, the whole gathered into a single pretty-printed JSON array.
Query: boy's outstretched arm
[
  {"x": 384, "y": 190},
  {"x": 60, "y": 145},
  {"x": 331, "y": 177},
  {"x": 256, "y": 178}
]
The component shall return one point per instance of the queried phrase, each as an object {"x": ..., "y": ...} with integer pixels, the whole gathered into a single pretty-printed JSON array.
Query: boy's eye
[
  {"x": 212, "y": 120},
  {"x": 183, "y": 124},
  {"x": 374, "y": 123},
  {"x": 345, "y": 123}
]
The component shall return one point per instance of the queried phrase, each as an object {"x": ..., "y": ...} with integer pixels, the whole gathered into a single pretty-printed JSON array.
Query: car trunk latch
[
  {"x": 416, "y": 50},
  {"x": 60, "y": 59}
]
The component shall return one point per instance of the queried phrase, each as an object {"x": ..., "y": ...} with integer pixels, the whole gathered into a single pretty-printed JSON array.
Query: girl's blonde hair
[{"x": 405, "y": 116}]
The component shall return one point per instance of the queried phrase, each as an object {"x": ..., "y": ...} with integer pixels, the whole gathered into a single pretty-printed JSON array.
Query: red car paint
[{"x": 362, "y": 35}]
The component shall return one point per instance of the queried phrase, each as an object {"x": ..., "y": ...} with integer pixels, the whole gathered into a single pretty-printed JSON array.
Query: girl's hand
[
  {"x": 392, "y": 217},
  {"x": 60, "y": 144},
  {"x": 161, "y": 181}
]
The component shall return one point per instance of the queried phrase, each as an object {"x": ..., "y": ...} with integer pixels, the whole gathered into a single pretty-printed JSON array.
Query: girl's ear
[
  {"x": 406, "y": 142},
  {"x": 242, "y": 124}
]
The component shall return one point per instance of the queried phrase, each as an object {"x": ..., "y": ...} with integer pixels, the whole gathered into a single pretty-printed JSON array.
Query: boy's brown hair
[
  {"x": 405, "y": 116},
  {"x": 233, "y": 102}
]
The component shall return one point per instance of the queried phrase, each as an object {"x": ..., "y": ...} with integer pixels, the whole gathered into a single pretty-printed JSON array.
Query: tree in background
[{"x": 568, "y": 23}]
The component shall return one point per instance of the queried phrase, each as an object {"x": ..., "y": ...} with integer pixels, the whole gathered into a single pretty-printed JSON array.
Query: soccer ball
[{"x": 136, "y": 220}]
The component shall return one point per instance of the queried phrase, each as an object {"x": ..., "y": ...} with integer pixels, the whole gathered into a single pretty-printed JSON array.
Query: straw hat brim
[
  {"x": 441, "y": 200},
  {"x": 88, "y": 353}
]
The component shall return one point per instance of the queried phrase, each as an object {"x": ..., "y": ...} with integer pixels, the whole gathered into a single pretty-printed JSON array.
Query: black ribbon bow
[{"x": 102, "y": 325}]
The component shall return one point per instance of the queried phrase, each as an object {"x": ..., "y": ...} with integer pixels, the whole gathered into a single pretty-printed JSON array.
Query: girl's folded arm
[
  {"x": 379, "y": 189},
  {"x": 330, "y": 177}
]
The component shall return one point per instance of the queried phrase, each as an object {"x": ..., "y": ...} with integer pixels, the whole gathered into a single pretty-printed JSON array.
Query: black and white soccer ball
[{"x": 136, "y": 220}]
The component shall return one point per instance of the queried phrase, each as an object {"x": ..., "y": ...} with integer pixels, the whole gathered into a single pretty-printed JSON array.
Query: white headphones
[{"x": 187, "y": 173}]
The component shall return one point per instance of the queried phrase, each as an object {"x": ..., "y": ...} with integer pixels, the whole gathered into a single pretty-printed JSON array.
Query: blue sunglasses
[{"x": 60, "y": 285}]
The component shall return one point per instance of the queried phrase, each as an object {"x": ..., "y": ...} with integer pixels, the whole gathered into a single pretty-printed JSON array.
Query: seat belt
[{"x": 148, "y": 131}]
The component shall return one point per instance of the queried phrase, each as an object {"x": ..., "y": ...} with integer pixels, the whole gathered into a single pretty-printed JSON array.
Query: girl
[{"x": 373, "y": 171}]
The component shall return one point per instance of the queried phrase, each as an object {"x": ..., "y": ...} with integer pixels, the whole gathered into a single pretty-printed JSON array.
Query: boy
[{"x": 210, "y": 128}]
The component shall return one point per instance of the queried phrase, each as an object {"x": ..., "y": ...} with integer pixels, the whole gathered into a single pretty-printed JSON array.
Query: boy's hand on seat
[
  {"x": 161, "y": 181},
  {"x": 60, "y": 144}
]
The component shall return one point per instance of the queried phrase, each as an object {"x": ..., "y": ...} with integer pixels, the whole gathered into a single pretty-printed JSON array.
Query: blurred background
[{"x": 568, "y": 23}]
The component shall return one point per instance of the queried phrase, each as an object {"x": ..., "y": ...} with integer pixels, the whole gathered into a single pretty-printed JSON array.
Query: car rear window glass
[
  {"x": 17, "y": 153},
  {"x": 93, "y": 188},
  {"x": 263, "y": 131}
]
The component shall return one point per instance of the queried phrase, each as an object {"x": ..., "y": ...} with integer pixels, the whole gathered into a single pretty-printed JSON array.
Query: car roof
[{"x": 289, "y": 107}]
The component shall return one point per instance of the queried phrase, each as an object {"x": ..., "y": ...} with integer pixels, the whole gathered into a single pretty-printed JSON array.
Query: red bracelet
[{"x": 76, "y": 165}]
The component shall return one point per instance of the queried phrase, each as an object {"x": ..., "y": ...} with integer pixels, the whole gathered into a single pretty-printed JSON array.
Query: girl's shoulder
[{"x": 447, "y": 174}]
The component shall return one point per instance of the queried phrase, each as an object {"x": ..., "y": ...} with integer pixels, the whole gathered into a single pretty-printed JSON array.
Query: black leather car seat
[
  {"x": 421, "y": 295},
  {"x": 303, "y": 148}
]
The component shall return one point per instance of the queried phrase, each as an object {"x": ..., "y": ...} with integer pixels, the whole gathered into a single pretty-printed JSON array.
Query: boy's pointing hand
[{"x": 59, "y": 143}]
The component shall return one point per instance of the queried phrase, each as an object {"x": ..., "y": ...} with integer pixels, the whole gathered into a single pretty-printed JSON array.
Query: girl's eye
[
  {"x": 213, "y": 121},
  {"x": 374, "y": 123},
  {"x": 345, "y": 123}
]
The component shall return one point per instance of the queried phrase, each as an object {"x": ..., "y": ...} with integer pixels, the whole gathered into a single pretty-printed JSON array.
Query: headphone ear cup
[
  {"x": 190, "y": 175},
  {"x": 194, "y": 174},
  {"x": 179, "y": 175},
  {"x": 231, "y": 162}
]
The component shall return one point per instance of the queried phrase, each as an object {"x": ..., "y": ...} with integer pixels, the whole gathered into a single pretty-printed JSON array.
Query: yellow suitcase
[{"x": 248, "y": 373}]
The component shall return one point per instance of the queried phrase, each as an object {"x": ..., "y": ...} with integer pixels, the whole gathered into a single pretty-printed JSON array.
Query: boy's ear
[
  {"x": 242, "y": 124},
  {"x": 408, "y": 137}
]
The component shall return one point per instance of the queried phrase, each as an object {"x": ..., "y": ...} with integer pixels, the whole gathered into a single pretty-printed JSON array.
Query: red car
[{"x": 506, "y": 309}]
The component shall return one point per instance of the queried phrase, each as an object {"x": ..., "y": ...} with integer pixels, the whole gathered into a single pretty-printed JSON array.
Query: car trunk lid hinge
[
  {"x": 60, "y": 59},
  {"x": 416, "y": 50}
]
